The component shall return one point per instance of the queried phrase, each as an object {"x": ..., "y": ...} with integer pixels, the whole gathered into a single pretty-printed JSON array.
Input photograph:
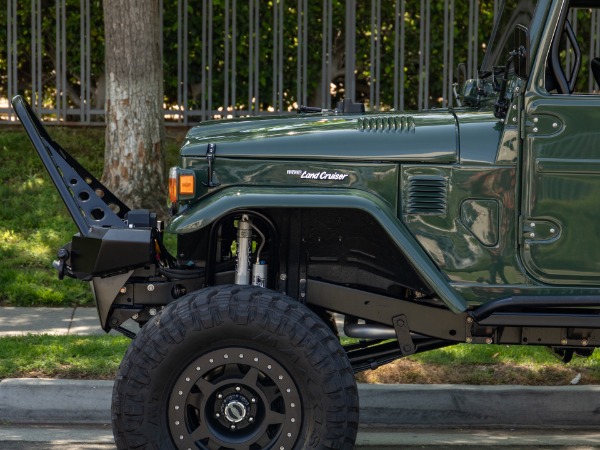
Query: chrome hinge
[
  {"x": 521, "y": 226},
  {"x": 522, "y": 126},
  {"x": 541, "y": 125},
  {"x": 539, "y": 231}
]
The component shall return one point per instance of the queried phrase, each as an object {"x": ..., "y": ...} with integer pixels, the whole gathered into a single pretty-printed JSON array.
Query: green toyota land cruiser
[{"x": 476, "y": 224}]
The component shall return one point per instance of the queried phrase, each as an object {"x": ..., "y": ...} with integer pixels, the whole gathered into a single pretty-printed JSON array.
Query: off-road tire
[{"x": 235, "y": 367}]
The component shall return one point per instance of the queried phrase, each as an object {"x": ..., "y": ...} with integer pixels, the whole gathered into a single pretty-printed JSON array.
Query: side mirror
[{"x": 522, "y": 62}]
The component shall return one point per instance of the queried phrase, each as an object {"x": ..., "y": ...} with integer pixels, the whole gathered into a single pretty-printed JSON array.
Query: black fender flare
[{"x": 225, "y": 201}]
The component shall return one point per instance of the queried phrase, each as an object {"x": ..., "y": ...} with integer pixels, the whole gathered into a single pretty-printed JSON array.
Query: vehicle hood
[{"x": 430, "y": 136}]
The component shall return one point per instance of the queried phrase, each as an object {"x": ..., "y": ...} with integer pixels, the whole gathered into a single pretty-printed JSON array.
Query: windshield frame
[{"x": 503, "y": 32}]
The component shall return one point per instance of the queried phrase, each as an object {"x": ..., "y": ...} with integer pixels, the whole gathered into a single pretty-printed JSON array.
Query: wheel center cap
[{"x": 235, "y": 409}]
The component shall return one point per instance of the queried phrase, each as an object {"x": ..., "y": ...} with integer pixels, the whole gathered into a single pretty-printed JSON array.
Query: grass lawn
[
  {"x": 73, "y": 357},
  {"x": 34, "y": 223},
  {"x": 487, "y": 365},
  {"x": 98, "y": 357}
]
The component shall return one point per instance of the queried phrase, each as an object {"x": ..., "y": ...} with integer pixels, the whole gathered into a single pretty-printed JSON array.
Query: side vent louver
[
  {"x": 427, "y": 195},
  {"x": 387, "y": 124}
]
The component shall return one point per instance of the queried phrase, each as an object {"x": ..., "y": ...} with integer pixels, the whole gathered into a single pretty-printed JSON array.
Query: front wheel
[{"x": 235, "y": 367}]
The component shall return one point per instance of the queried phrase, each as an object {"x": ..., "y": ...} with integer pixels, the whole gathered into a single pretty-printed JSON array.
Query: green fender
[{"x": 203, "y": 213}]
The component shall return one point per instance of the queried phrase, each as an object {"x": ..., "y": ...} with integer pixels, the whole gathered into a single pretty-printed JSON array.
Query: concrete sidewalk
[
  {"x": 15, "y": 321},
  {"x": 76, "y": 321}
]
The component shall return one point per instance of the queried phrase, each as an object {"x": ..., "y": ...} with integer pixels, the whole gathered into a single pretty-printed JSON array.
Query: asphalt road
[
  {"x": 56, "y": 437},
  {"x": 100, "y": 438}
]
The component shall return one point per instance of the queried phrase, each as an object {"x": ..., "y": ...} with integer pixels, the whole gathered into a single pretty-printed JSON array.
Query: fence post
[{"x": 349, "y": 79}]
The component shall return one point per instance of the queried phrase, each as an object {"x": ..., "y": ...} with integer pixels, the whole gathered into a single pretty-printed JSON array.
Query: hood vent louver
[
  {"x": 427, "y": 195},
  {"x": 389, "y": 124}
]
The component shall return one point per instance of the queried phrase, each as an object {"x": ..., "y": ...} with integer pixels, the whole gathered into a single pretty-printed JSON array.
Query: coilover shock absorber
[
  {"x": 244, "y": 255},
  {"x": 244, "y": 242}
]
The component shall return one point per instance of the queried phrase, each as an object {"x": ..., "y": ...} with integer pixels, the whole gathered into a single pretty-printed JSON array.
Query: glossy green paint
[
  {"x": 431, "y": 137},
  {"x": 226, "y": 200},
  {"x": 482, "y": 219},
  {"x": 474, "y": 241},
  {"x": 562, "y": 188},
  {"x": 560, "y": 178},
  {"x": 479, "y": 135},
  {"x": 379, "y": 179},
  {"x": 473, "y": 244}
]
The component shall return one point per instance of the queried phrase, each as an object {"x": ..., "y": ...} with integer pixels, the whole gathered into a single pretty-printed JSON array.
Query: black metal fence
[{"x": 227, "y": 58}]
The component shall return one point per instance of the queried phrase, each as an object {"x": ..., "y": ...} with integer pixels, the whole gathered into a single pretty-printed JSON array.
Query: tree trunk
[{"x": 134, "y": 158}]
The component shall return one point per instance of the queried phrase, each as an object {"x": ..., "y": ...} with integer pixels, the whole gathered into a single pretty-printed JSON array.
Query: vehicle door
[{"x": 560, "y": 220}]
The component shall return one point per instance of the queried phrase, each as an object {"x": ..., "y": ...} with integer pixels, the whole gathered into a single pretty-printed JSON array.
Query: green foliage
[
  {"x": 315, "y": 14},
  {"x": 48, "y": 12},
  {"x": 201, "y": 61}
]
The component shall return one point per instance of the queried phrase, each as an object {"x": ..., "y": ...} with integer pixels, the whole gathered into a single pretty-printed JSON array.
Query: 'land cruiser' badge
[{"x": 319, "y": 175}]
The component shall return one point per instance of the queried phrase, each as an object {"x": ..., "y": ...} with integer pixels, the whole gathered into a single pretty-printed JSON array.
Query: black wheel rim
[{"x": 235, "y": 398}]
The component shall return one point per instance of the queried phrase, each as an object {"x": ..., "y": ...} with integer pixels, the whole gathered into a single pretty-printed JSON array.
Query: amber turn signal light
[
  {"x": 182, "y": 184},
  {"x": 186, "y": 184}
]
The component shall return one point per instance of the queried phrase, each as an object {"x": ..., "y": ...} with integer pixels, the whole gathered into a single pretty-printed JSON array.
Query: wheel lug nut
[
  {"x": 232, "y": 427},
  {"x": 219, "y": 396},
  {"x": 237, "y": 388},
  {"x": 250, "y": 419},
  {"x": 253, "y": 400},
  {"x": 217, "y": 415}
]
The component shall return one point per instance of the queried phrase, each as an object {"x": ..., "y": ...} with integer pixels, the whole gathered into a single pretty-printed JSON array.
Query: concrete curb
[
  {"x": 46, "y": 401},
  {"x": 480, "y": 406}
]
